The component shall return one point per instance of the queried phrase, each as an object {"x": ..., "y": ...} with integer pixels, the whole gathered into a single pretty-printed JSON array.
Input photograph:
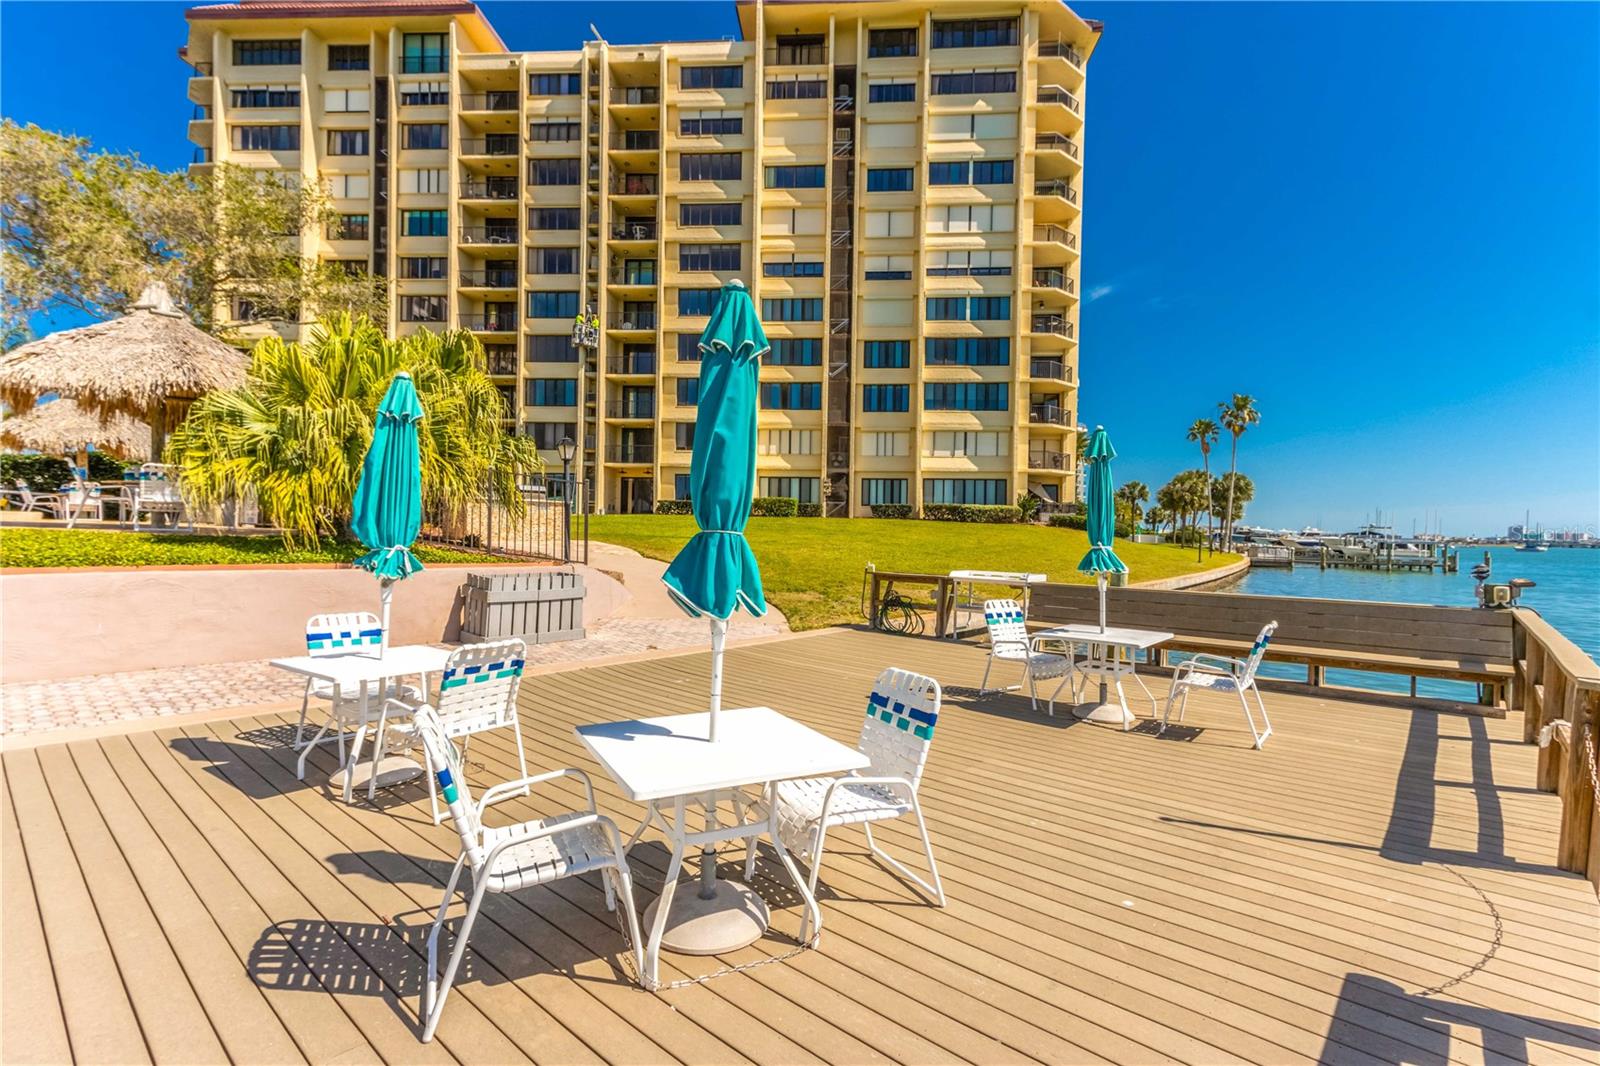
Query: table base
[
  {"x": 1107, "y": 713},
  {"x": 393, "y": 771},
  {"x": 734, "y": 917}
]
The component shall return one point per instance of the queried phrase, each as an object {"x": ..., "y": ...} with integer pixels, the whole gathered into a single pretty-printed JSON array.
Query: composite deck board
[{"x": 1113, "y": 896}]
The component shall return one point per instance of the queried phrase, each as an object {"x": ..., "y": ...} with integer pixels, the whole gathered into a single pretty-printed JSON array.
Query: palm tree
[
  {"x": 1204, "y": 432},
  {"x": 296, "y": 432},
  {"x": 1236, "y": 416},
  {"x": 1135, "y": 494}
]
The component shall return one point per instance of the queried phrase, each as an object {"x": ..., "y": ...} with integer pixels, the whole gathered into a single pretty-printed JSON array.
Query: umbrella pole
[
  {"x": 719, "y": 636},
  {"x": 385, "y": 594}
]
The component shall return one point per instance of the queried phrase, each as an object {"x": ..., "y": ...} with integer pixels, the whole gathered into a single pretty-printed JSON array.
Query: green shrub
[
  {"x": 674, "y": 507},
  {"x": 1069, "y": 520},
  {"x": 47, "y": 473},
  {"x": 972, "y": 512},
  {"x": 811, "y": 510},
  {"x": 775, "y": 507},
  {"x": 1188, "y": 536},
  {"x": 60, "y": 547},
  {"x": 893, "y": 510}
]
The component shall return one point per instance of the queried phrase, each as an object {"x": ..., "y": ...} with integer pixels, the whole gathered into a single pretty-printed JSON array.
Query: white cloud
[{"x": 1099, "y": 291}]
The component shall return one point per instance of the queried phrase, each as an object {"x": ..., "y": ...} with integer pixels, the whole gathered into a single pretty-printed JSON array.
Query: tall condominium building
[{"x": 897, "y": 182}]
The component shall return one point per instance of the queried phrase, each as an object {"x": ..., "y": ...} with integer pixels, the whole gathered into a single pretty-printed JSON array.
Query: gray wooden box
[{"x": 540, "y": 606}]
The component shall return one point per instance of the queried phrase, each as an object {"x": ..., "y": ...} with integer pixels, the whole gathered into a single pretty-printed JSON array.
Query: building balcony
[
  {"x": 635, "y": 95},
  {"x": 490, "y": 322},
  {"x": 1047, "y": 414},
  {"x": 495, "y": 144},
  {"x": 637, "y": 408},
  {"x": 1049, "y": 459},
  {"x": 797, "y": 55},
  {"x": 499, "y": 278},
  {"x": 493, "y": 100},
  {"x": 1054, "y": 245},
  {"x": 639, "y": 275},
  {"x": 1059, "y": 109},
  {"x": 488, "y": 235},
  {"x": 201, "y": 85},
  {"x": 636, "y": 364},
  {"x": 1060, "y": 59},
  {"x": 1051, "y": 325},
  {"x": 502, "y": 365},
  {"x": 634, "y": 229},
  {"x": 635, "y": 141},
  {"x": 1056, "y": 153},
  {"x": 494, "y": 188},
  {"x": 1055, "y": 200},
  {"x": 643, "y": 454},
  {"x": 1049, "y": 368},
  {"x": 1055, "y": 280},
  {"x": 641, "y": 185},
  {"x": 641, "y": 321}
]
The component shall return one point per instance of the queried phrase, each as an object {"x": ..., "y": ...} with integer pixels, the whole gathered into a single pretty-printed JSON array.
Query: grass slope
[
  {"x": 812, "y": 568},
  {"x": 60, "y": 547}
]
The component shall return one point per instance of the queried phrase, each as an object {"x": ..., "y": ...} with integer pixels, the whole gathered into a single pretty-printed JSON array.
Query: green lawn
[
  {"x": 61, "y": 547},
  {"x": 812, "y": 568}
]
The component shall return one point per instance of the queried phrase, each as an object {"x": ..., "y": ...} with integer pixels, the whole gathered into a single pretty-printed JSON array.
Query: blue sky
[{"x": 1382, "y": 221}]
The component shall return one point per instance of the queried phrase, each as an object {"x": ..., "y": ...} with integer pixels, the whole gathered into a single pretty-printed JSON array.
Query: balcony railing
[
  {"x": 797, "y": 55},
  {"x": 634, "y": 276},
  {"x": 636, "y": 363},
  {"x": 1050, "y": 414},
  {"x": 630, "y": 453},
  {"x": 1056, "y": 142},
  {"x": 632, "y": 319},
  {"x": 488, "y": 235},
  {"x": 638, "y": 95},
  {"x": 1048, "y": 460},
  {"x": 503, "y": 366},
  {"x": 1057, "y": 325},
  {"x": 636, "y": 140},
  {"x": 635, "y": 184},
  {"x": 491, "y": 322},
  {"x": 495, "y": 100},
  {"x": 1056, "y": 187},
  {"x": 1051, "y": 278},
  {"x": 634, "y": 229},
  {"x": 1055, "y": 94},
  {"x": 202, "y": 68},
  {"x": 489, "y": 279},
  {"x": 632, "y": 407},
  {"x": 493, "y": 189},
  {"x": 202, "y": 155},
  {"x": 1048, "y": 369},
  {"x": 1061, "y": 50},
  {"x": 494, "y": 144},
  {"x": 1055, "y": 235}
]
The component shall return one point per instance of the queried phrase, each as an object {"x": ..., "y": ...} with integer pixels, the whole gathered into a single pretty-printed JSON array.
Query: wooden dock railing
[{"x": 1557, "y": 688}]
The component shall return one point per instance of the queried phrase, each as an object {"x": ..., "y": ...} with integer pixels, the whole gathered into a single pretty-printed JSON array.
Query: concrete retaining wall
[{"x": 66, "y": 623}]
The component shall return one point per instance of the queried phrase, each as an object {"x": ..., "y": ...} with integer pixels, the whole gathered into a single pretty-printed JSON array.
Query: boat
[{"x": 1531, "y": 542}]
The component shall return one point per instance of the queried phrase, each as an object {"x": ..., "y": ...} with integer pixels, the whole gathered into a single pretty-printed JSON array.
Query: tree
[
  {"x": 1156, "y": 518},
  {"x": 1029, "y": 505},
  {"x": 296, "y": 433},
  {"x": 1234, "y": 491},
  {"x": 1135, "y": 494},
  {"x": 1204, "y": 432},
  {"x": 1185, "y": 497},
  {"x": 1237, "y": 415},
  {"x": 87, "y": 230}
]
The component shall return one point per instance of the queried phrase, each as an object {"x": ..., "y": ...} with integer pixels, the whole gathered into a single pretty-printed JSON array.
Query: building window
[
  {"x": 948, "y": 173},
  {"x": 553, "y": 261},
  {"x": 435, "y": 223},
  {"x": 968, "y": 351},
  {"x": 800, "y": 489},
  {"x": 891, "y": 91},
  {"x": 546, "y": 132},
  {"x": 553, "y": 171},
  {"x": 946, "y": 309},
  {"x": 720, "y": 77},
  {"x": 887, "y": 267},
  {"x": 347, "y": 101},
  {"x": 680, "y": 487},
  {"x": 555, "y": 84},
  {"x": 970, "y": 490},
  {"x": 425, "y": 53},
  {"x": 796, "y": 88},
  {"x": 285, "y": 53},
  {"x": 425, "y": 94},
  {"x": 788, "y": 442},
  {"x": 886, "y": 398},
  {"x": 422, "y": 309},
  {"x": 792, "y": 268},
  {"x": 553, "y": 218},
  {"x": 989, "y": 309},
  {"x": 957, "y": 444},
  {"x": 710, "y": 166},
  {"x": 968, "y": 82},
  {"x": 267, "y": 96},
  {"x": 639, "y": 272},
  {"x": 348, "y": 57},
  {"x": 975, "y": 33},
  {"x": 709, "y": 257},
  {"x": 792, "y": 309},
  {"x": 430, "y": 180},
  {"x": 426, "y": 135},
  {"x": 891, "y": 43},
  {"x": 266, "y": 138},
  {"x": 972, "y": 218},
  {"x": 422, "y": 266},
  {"x": 697, "y": 301},
  {"x": 710, "y": 214},
  {"x": 683, "y": 437},
  {"x": 550, "y": 392},
  {"x": 546, "y": 435},
  {"x": 993, "y": 171},
  {"x": 803, "y": 176},
  {"x": 886, "y": 355},
  {"x": 561, "y": 304},
  {"x": 876, "y": 490},
  {"x": 791, "y": 395},
  {"x": 710, "y": 123},
  {"x": 347, "y": 142},
  {"x": 551, "y": 348},
  {"x": 794, "y": 351},
  {"x": 794, "y": 50},
  {"x": 963, "y": 309},
  {"x": 965, "y": 395},
  {"x": 976, "y": 264},
  {"x": 890, "y": 179},
  {"x": 688, "y": 392},
  {"x": 688, "y": 347},
  {"x": 348, "y": 228}
]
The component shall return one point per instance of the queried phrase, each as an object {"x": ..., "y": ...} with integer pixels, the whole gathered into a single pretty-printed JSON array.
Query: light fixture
[{"x": 567, "y": 448}]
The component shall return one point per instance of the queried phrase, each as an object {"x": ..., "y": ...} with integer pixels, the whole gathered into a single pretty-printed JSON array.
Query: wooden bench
[{"x": 1414, "y": 640}]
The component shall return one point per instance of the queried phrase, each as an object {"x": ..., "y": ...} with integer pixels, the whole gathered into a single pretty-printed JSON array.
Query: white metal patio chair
[
  {"x": 340, "y": 634},
  {"x": 1217, "y": 673},
  {"x": 157, "y": 492},
  {"x": 508, "y": 858},
  {"x": 50, "y": 504},
  {"x": 1009, "y": 642},
  {"x": 902, "y": 711},
  {"x": 477, "y": 693}
]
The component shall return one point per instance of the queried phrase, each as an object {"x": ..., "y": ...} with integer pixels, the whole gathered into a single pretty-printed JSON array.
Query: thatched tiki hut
[
  {"x": 150, "y": 364},
  {"x": 62, "y": 427}
]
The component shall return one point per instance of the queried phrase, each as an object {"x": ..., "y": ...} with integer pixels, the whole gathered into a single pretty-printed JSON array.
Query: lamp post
[{"x": 567, "y": 448}]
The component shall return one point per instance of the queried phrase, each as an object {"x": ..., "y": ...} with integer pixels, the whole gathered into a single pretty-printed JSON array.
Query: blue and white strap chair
[
  {"x": 508, "y": 858},
  {"x": 477, "y": 693},
  {"x": 1009, "y": 642},
  {"x": 351, "y": 633},
  {"x": 1215, "y": 673},
  {"x": 901, "y": 714}
]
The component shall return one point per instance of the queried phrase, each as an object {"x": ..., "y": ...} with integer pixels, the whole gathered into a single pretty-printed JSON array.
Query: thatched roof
[
  {"x": 127, "y": 365},
  {"x": 61, "y": 427}
]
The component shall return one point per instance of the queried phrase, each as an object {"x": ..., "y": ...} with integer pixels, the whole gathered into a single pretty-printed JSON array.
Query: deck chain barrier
[
  {"x": 1494, "y": 944},
  {"x": 1591, "y": 759}
]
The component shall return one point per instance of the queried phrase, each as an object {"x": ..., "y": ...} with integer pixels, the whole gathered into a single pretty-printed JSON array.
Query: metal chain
[
  {"x": 1494, "y": 944},
  {"x": 1593, "y": 760}
]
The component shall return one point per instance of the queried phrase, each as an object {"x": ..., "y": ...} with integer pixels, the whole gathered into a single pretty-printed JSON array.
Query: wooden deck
[{"x": 1376, "y": 885}]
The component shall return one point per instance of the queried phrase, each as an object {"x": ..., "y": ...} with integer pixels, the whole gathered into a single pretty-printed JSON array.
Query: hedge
[
  {"x": 893, "y": 510},
  {"x": 47, "y": 473},
  {"x": 1069, "y": 520},
  {"x": 972, "y": 512},
  {"x": 59, "y": 547},
  {"x": 811, "y": 510},
  {"x": 674, "y": 507},
  {"x": 775, "y": 507}
]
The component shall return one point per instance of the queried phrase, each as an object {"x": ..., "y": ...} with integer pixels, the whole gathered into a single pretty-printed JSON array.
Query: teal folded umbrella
[
  {"x": 388, "y": 506},
  {"x": 1101, "y": 559},
  {"x": 716, "y": 573}
]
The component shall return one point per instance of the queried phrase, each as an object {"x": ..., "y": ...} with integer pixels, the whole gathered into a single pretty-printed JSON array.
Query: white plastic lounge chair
[
  {"x": 1009, "y": 642},
  {"x": 508, "y": 858},
  {"x": 902, "y": 711},
  {"x": 477, "y": 693},
  {"x": 158, "y": 492},
  {"x": 1218, "y": 674},
  {"x": 340, "y": 634},
  {"x": 46, "y": 503}
]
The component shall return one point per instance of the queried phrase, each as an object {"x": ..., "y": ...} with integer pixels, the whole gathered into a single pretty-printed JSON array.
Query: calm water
[{"x": 1567, "y": 594}]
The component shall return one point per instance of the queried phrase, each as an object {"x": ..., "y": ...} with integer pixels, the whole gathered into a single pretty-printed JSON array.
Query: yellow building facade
[{"x": 897, "y": 183}]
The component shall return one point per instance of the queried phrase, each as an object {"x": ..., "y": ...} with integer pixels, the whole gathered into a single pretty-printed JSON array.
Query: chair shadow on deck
[
  {"x": 231, "y": 762},
  {"x": 1012, "y": 704}
]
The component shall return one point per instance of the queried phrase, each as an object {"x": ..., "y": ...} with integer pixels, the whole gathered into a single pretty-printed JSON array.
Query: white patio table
[
  {"x": 370, "y": 673},
  {"x": 667, "y": 763},
  {"x": 1110, "y": 658}
]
